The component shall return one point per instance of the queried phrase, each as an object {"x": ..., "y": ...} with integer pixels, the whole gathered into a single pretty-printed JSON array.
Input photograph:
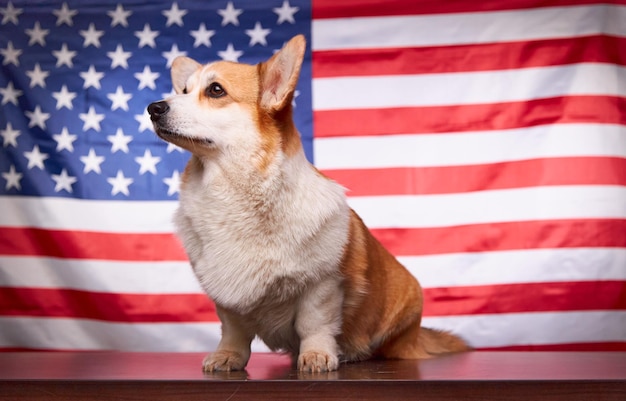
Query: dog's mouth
[{"x": 178, "y": 138}]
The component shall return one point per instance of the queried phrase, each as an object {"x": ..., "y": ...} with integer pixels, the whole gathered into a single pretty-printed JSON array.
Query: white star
[
  {"x": 119, "y": 141},
  {"x": 258, "y": 34},
  {"x": 119, "y": 99},
  {"x": 9, "y": 136},
  {"x": 92, "y": 162},
  {"x": 10, "y": 94},
  {"x": 147, "y": 162},
  {"x": 35, "y": 158},
  {"x": 64, "y": 56},
  {"x": 146, "y": 78},
  {"x": 147, "y": 36},
  {"x": 91, "y": 119},
  {"x": 119, "y": 58},
  {"x": 172, "y": 54},
  {"x": 173, "y": 183},
  {"x": 230, "y": 15},
  {"x": 286, "y": 12},
  {"x": 65, "y": 15},
  {"x": 65, "y": 140},
  {"x": 37, "y": 76},
  {"x": 13, "y": 179},
  {"x": 119, "y": 16},
  {"x": 37, "y": 118},
  {"x": 119, "y": 183},
  {"x": 174, "y": 15},
  {"x": 64, "y": 98},
  {"x": 37, "y": 35},
  {"x": 91, "y": 78},
  {"x": 296, "y": 93},
  {"x": 202, "y": 36},
  {"x": 63, "y": 181},
  {"x": 92, "y": 36},
  {"x": 10, "y": 14},
  {"x": 230, "y": 54},
  {"x": 171, "y": 147},
  {"x": 11, "y": 55},
  {"x": 144, "y": 121}
]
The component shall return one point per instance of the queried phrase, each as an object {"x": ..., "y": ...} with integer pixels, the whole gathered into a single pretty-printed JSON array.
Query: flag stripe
[
  {"x": 506, "y": 175},
  {"x": 138, "y": 277},
  {"x": 400, "y": 241},
  {"x": 467, "y": 118},
  {"x": 441, "y": 270},
  {"x": 121, "y": 307},
  {"x": 90, "y": 245},
  {"x": 465, "y": 58},
  {"x": 507, "y": 205},
  {"x": 362, "y": 8},
  {"x": 587, "y": 347},
  {"x": 518, "y": 266},
  {"x": 581, "y": 233},
  {"x": 527, "y": 297},
  {"x": 478, "y": 147},
  {"x": 535, "y": 328},
  {"x": 445, "y": 29},
  {"x": 479, "y": 87},
  {"x": 132, "y": 308}
]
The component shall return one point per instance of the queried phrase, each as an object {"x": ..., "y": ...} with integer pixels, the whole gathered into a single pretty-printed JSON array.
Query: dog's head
[{"x": 232, "y": 108}]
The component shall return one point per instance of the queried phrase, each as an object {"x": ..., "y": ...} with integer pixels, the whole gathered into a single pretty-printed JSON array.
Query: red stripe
[
  {"x": 400, "y": 241},
  {"x": 527, "y": 297},
  {"x": 463, "y": 58},
  {"x": 467, "y": 118},
  {"x": 601, "y": 346},
  {"x": 505, "y": 236},
  {"x": 89, "y": 245},
  {"x": 457, "y": 179},
  {"x": 136, "y": 308},
  {"x": 373, "y": 8}
]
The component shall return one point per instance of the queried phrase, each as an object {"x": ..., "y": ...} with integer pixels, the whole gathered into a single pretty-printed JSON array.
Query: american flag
[{"x": 484, "y": 143}]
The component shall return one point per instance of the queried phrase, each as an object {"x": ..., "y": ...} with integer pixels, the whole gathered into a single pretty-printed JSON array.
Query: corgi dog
[{"x": 271, "y": 240}]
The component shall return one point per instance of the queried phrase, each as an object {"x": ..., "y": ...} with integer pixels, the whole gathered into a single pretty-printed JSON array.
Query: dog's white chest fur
[{"x": 256, "y": 241}]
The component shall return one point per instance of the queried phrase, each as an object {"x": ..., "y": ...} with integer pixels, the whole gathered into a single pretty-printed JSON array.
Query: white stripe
[
  {"x": 458, "y": 149},
  {"x": 468, "y": 28},
  {"x": 388, "y": 91},
  {"x": 80, "y": 334},
  {"x": 448, "y": 270},
  {"x": 500, "y": 330},
  {"x": 516, "y": 267},
  {"x": 99, "y": 276},
  {"x": 511, "y": 205},
  {"x": 87, "y": 215},
  {"x": 494, "y": 330}
]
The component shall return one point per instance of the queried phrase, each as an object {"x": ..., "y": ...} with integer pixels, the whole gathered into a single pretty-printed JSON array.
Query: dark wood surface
[{"x": 155, "y": 376}]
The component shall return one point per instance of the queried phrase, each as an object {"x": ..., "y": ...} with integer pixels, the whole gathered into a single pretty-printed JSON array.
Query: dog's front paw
[
  {"x": 224, "y": 361},
  {"x": 317, "y": 361}
]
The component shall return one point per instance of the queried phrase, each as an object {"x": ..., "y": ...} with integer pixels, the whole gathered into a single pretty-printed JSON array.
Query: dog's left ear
[
  {"x": 279, "y": 74},
  {"x": 182, "y": 68}
]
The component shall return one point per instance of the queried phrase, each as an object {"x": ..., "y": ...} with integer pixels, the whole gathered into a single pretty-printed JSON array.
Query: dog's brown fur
[{"x": 272, "y": 240}]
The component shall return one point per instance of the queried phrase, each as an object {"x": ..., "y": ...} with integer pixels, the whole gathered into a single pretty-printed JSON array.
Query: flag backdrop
[{"x": 483, "y": 142}]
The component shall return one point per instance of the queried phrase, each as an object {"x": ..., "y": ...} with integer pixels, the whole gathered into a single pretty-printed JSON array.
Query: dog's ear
[
  {"x": 182, "y": 68},
  {"x": 279, "y": 74}
]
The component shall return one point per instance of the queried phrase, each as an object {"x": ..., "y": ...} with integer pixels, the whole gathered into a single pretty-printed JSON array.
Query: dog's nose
[{"x": 158, "y": 109}]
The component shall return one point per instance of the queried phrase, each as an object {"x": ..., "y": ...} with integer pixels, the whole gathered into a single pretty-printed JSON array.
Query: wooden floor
[{"x": 153, "y": 376}]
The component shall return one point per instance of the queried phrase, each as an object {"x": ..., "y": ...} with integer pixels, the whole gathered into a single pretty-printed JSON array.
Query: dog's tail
[{"x": 437, "y": 342}]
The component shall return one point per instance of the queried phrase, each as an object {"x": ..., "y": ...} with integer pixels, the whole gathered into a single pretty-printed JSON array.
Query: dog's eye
[
  {"x": 215, "y": 90},
  {"x": 185, "y": 90}
]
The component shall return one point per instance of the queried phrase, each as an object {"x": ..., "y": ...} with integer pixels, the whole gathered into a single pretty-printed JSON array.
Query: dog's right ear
[{"x": 182, "y": 68}]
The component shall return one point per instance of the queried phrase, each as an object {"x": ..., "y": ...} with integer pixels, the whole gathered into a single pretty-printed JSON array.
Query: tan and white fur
[{"x": 272, "y": 241}]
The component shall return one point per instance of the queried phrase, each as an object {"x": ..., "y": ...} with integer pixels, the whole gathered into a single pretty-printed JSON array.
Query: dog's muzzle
[{"x": 158, "y": 110}]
